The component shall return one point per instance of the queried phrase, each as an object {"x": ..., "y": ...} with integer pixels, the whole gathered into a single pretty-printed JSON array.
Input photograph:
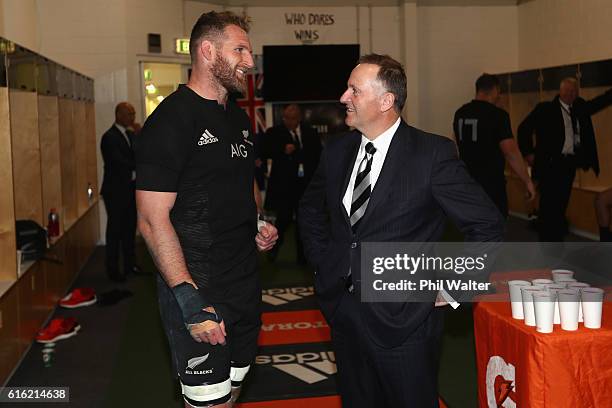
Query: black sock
[{"x": 605, "y": 235}]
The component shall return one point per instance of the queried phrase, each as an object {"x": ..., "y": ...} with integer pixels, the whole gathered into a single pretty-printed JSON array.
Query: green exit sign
[{"x": 182, "y": 46}]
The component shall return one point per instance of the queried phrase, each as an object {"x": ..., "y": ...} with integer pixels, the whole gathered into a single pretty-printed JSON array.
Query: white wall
[
  {"x": 455, "y": 46},
  {"x": 443, "y": 48},
  {"x": 12, "y": 18},
  {"x": 269, "y": 25},
  {"x": 558, "y": 32}
]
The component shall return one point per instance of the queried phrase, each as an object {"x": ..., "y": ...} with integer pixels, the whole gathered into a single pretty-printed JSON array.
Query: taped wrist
[{"x": 192, "y": 304}]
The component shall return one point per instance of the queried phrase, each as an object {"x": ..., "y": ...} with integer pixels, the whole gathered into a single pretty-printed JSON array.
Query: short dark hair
[
  {"x": 486, "y": 83},
  {"x": 211, "y": 26},
  {"x": 392, "y": 76}
]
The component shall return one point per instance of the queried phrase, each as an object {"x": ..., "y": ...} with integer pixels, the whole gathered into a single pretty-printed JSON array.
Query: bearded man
[{"x": 197, "y": 214}]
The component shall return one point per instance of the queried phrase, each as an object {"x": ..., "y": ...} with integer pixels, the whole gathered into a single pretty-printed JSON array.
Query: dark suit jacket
[
  {"x": 284, "y": 185},
  {"x": 546, "y": 120},
  {"x": 421, "y": 183},
  {"x": 118, "y": 164}
]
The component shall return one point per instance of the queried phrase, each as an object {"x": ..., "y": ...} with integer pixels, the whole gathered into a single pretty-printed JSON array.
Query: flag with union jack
[{"x": 253, "y": 102}]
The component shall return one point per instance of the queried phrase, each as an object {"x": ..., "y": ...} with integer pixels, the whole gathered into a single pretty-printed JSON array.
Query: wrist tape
[{"x": 192, "y": 304}]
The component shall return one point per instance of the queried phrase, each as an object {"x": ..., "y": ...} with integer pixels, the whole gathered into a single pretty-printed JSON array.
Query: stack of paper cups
[
  {"x": 528, "y": 310},
  {"x": 516, "y": 299},
  {"x": 568, "y": 308},
  {"x": 554, "y": 290},
  {"x": 578, "y": 286},
  {"x": 592, "y": 305}
]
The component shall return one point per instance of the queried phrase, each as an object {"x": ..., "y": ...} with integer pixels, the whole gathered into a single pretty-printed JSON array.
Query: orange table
[{"x": 519, "y": 367}]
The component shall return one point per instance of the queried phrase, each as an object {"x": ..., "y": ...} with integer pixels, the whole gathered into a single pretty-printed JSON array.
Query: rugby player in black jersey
[
  {"x": 484, "y": 136},
  {"x": 197, "y": 214}
]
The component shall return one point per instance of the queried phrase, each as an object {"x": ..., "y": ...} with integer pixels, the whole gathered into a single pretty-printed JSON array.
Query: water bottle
[{"x": 53, "y": 226}]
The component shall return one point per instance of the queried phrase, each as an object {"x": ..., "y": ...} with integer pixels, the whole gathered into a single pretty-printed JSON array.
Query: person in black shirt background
[
  {"x": 197, "y": 214},
  {"x": 294, "y": 149},
  {"x": 484, "y": 136},
  {"x": 118, "y": 193}
]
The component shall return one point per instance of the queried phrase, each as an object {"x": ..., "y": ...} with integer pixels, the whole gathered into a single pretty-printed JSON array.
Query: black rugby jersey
[
  {"x": 204, "y": 152},
  {"x": 479, "y": 127}
]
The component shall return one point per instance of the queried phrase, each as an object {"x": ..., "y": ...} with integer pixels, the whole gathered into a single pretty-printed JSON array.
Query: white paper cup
[
  {"x": 568, "y": 308},
  {"x": 527, "y": 296},
  {"x": 541, "y": 283},
  {"x": 592, "y": 305},
  {"x": 516, "y": 300},
  {"x": 544, "y": 306},
  {"x": 558, "y": 273},
  {"x": 578, "y": 286},
  {"x": 554, "y": 289},
  {"x": 565, "y": 281}
]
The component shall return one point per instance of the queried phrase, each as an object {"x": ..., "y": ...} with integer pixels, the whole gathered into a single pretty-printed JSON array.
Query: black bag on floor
[{"x": 31, "y": 240}]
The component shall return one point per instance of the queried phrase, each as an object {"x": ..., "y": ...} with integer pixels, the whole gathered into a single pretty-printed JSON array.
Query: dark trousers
[
  {"x": 555, "y": 190},
  {"x": 370, "y": 376},
  {"x": 120, "y": 232},
  {"x": 285, "y": 213}
]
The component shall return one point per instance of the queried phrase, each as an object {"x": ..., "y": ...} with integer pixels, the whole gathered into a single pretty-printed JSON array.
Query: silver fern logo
[{"x": 196, "y": 361}]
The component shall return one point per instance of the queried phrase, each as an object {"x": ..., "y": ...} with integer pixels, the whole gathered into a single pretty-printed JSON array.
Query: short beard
[{"x": 226, "y": 76}]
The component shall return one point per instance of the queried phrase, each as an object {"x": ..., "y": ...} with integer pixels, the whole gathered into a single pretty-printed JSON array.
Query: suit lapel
[
  {"x": 348, "y": 162},
  {"x": 393, "y": 159},
  {"x": 122, "y": 137}
]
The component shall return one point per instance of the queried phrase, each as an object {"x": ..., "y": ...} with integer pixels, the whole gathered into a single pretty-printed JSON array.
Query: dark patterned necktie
[
  {"x": 361, "y": 197},
  {"x": 362, "y": 187}
]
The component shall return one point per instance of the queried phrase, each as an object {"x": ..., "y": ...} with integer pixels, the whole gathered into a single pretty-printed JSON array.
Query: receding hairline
[{"x": 569, "y": 80}]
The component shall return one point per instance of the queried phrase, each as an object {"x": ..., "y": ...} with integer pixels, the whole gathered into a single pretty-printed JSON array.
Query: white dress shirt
[
  {"x": 297, "y": 136},
  {"x": 381, "y": 143},
  {"x": 127, "y": 140},
  {"x": 568, "y": 144}
]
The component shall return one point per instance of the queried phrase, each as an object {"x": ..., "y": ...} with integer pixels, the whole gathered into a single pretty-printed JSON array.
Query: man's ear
[
  {"x": 207, "y": 50},
  {"x": 387, "y": 101}
]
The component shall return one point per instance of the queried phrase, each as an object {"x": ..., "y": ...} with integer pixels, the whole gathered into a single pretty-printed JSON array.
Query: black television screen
[{"x": 307, "y": 72}]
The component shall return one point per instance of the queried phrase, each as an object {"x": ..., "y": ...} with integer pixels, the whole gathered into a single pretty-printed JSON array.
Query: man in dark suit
[
  {"x": 564, "y": 141},
  {"x": 294, "y": 150},
  {"x": 118, "y": 191},
  {"x": 387, "y": 353}
]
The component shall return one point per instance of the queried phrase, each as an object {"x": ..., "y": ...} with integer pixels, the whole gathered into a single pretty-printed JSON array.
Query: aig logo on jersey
[
  {"x": 207, "y": 138},
  {"x": 239, "y": 150}
]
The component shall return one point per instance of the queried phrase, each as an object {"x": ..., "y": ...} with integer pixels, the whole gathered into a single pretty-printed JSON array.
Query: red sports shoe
[
  {"x": 78, "y": 298},
  {"x": 58, "y": 329}
]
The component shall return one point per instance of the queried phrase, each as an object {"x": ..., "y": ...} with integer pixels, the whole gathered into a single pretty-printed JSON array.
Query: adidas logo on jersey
[
  {"x": 207, "y": 138},
  {"x": 310, "y": 367},
  {"x": 280, "y": 296}
]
